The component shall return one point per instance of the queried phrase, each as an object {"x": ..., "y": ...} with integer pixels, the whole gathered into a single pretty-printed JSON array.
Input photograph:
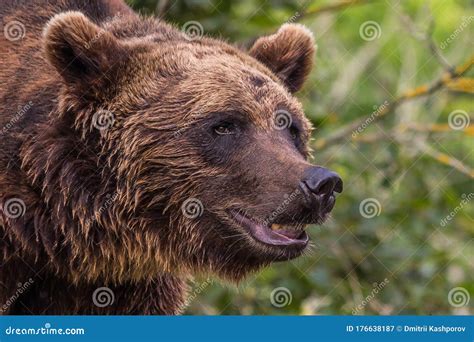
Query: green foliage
[{"x": 407, "y": 243}]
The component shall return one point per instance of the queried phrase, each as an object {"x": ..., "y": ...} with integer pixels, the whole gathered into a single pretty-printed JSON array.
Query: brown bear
[{"x": 135, "y": 155}]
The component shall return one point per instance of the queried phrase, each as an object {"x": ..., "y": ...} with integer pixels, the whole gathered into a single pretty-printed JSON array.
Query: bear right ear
[{"x": 82, "y": 52}]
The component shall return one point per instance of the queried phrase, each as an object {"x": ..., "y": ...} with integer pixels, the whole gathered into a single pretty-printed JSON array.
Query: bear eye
[{"x": 225, "y": 128}]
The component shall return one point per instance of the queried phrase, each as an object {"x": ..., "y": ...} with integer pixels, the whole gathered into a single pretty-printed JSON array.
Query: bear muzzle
[{"x": 319, "y": 187}]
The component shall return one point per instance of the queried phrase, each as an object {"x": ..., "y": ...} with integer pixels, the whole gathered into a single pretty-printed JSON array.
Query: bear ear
[
  {"x": 82, "y": 52},
  {"x": 288, "y": 53}
]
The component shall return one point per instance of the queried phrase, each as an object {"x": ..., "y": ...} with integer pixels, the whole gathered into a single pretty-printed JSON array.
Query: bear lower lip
[{"x": 268, "y": 236}]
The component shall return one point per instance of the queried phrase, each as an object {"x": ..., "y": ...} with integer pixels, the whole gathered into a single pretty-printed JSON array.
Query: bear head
[{"x": 193, "y": 153}]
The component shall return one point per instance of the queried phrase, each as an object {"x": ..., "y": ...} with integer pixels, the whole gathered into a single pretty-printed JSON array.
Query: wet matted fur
[{"x": 104, "y": 207}]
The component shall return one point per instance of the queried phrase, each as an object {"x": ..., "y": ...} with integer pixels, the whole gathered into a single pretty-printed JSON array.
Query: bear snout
[{"x": 319, "y": 186}]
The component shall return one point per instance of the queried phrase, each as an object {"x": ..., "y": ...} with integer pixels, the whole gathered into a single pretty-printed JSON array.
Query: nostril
[
  {"x": 339, "y": 185},
  {"x": 323, "y": 182},
  {"x": 326, "y": 186},
  {"x": 329, "y": 203}
]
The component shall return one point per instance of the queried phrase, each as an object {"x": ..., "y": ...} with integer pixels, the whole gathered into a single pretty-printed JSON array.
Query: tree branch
[
  {"x": 408, "y": 95},
  {"x": 462, "y": 85},
  {"x": 332, "y": 7},
  {"x": 440, "y": 157},
  {"x": 435, "y": 128},
  {"x": 446, "y": 159},
  {"x": 427, "y": 38}
]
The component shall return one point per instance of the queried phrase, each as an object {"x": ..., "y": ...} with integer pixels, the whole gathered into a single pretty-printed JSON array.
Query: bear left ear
[
  {"x": 82, "y": 52},
  {"x": 288, "y": 53}
]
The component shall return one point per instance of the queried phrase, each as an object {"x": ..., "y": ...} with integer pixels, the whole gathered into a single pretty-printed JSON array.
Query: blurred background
[{"x": 391, "y": 100}]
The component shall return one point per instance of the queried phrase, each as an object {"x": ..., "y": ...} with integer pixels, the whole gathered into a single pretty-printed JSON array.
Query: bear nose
[
  {"x": 319, "y": 186},
  {"x": 321, "y": 181}
]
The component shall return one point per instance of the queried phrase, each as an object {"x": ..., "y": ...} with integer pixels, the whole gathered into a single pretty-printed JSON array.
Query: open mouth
[{"x": 273, "y": 234}]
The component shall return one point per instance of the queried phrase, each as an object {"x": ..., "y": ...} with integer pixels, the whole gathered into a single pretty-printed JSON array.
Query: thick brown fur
[{"x": 104, "y": 207}]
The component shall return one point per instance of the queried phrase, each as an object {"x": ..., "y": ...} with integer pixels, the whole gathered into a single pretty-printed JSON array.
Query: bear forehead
[{"x": 216, "y": 77}]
